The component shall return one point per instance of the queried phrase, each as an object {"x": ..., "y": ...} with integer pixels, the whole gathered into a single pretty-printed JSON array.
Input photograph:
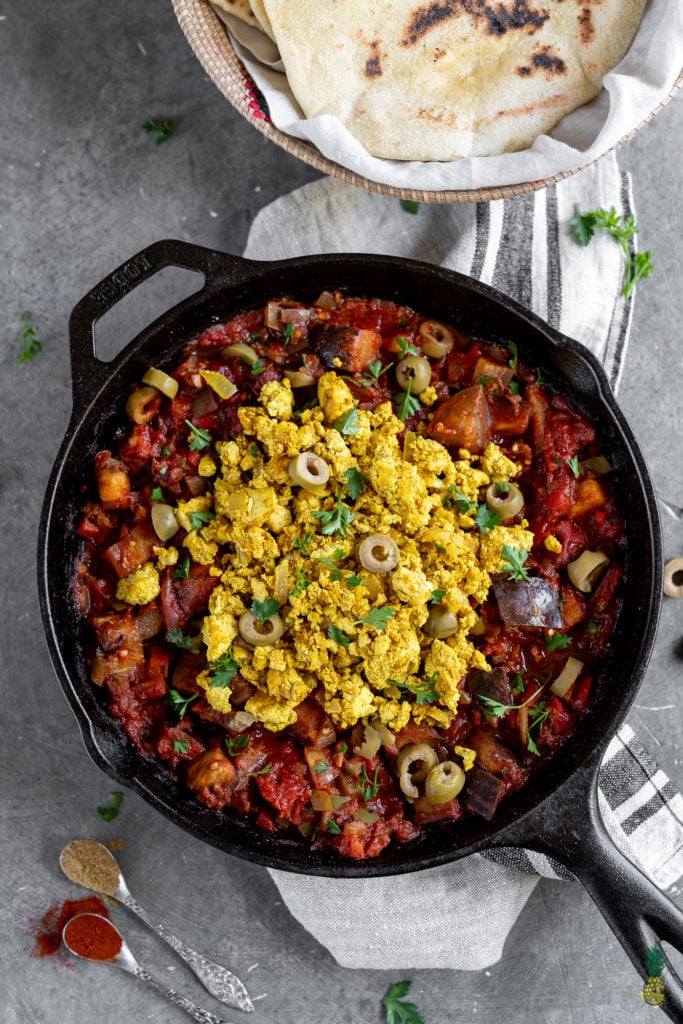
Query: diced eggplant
[
  {"x": 463, "y": 420},
  {"x": 493, "y": 684},
  {"x": 347, "y": 348},
  {"x": 483, "y": 792},
  {"x": 530, "y": 602}
]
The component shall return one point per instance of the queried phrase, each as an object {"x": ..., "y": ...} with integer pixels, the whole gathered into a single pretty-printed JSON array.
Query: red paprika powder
[
  {"x": 48, "y": 931},
  {"x": 92, "y": 937}
]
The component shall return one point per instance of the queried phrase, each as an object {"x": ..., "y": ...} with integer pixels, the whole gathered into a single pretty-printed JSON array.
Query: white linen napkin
[
  {"x": 525, "y": 248},
  {"x": 631, "y": 92}
]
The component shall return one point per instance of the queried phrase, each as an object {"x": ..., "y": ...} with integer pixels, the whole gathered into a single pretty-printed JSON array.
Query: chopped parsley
[
  {"x": 573, "y": 464},
  {"x": 398, "y": 1011},
  {"x": 517, "y": 683},
  {"x": 424, "y": 693},
  {"x": 501, "y": 487},
  {"x": 486, "y": 519},
  {"x": 514, "y": 387},
  {"x": 180, "y": 746},
  {"x": 224, "y": 669},
  {"x": 200, "y": 519},
  {"x": 253, "y": 451},
  {"x": 592, "y": 627},
  {"x": 165, "y": 451},
  {"x": 162, "y": 126},
  {"x": 332, "y": 563},
  {"x": 182, "y": 569},
  {"x": 369, "y": 788},
  {"x": 354, "y": 581},
  {"x": 199, "y": 439},
  {"x": 175, "y": 636},
  {"x": 355, "y": 483},
  {"x": 303, "y": 544},
  {"x": 336, "y": 520},
  {"x": 495, "y": 709},
  {"x": 514, "y": 559},
  {"x": 557, "y": 642},
  {"x": 262, "y": 771},
  {"x": 347, "y": 424},
  {"x": 441, "y": 548},
  {"x": 157, "y": 494},
  {"x": 30, "y": 346},
  {"x": 303, "y": 580},
  {"x": 335, "y": 633},
  {"x": 410, "y": 206},
  {"x": 377, "y": 617},
  {"x": 638, "y": 264},
  {"x": 374, "y": 372},
  {"x": 234, "y": 744},
  {"x": 404, "y": 346},
  {"x": 288, "y": 332},
  {"x": 513, "y": 361},
  {"x": 320, "y": 767},
  {"x": 406, "y": 404},
  {"x": 264, "y": 610},
  {"x": 459, "y": 501},
  {"x": 109, "y": 812},
  {"x": 333, "y": 827},
  {"x": 180, "y": 703},
  {"x": 258, "y": 368},
  {"x": 436, "y": 596}
]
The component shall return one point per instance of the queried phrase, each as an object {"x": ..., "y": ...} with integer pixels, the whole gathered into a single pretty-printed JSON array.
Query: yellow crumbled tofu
[
  {"x": 277, "y": 399},
  {"x": 274, "y": 714},
  {"x": 491, "y": 545},
  {"x": 202, "y": 551},
  {"x": 207, "y": 466},
  {"x": 140, "y": 587},
  {"x": 217, "y": 696},
  {"x": 185, "y": 509},
  {"x": 429, "y": 396},
  {"x": 497, "y": 465},
  {"x": 468, "y": 756},
  {"x": 334, "y": 397},
  {"x": 165, "y": 556},
  {"x": 551, "y": 543},
  {"x": 219, "y": 629}
]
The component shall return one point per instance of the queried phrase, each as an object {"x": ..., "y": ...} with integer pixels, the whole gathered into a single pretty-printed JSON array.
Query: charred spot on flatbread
[
  {"x": 373, "y": 65},
  {"x": 500, "y": 19},
  {"x": 586, "y": 25},
  {"x": 545, "y": 60}
]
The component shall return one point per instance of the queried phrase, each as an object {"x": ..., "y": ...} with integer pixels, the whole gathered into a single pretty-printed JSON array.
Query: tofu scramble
[{"x": 304, "y": 563}]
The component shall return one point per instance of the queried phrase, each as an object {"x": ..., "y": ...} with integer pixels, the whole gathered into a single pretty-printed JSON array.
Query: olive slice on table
[
  {"x": 413, "y": 372},
  {"x": 436, "y": 339},
  {"x": 507, "y": 502},
  {"x": 260, "y": 633},
  {"x": 444, "y": 782},
  {"x": 441, "y": 622},
  {"x": 414, "y": 761},
  {"x": 673, "y": 578},
  {"x": 143, "y": 405},
  {"x": 378, "y": 553},
  {"x": 309, "y": 470},
  {"x": 161, "y": 381}
]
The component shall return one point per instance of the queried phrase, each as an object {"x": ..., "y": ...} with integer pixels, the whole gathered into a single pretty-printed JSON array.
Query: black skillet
[{"x": 557, "y": 812}]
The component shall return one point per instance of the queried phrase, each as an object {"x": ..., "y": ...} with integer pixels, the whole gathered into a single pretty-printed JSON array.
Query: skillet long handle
[
  {"x": 88, "y": 372},
  {"x": 572, "y": 831}
]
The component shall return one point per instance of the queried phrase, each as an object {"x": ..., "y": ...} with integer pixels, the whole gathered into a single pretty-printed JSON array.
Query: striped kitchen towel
[{"x": 525, "y": 248}]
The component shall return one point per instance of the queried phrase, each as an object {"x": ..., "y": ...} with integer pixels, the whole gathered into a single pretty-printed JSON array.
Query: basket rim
[{"x": 208, "y": 39}]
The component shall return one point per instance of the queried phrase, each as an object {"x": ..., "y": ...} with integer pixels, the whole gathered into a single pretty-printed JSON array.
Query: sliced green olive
[
  {"x": 441, "y": 622},
  {"x": 164, "y": 521},
  {"x": 299, "y": 378},
  {"x": 444, "y": 782},
  {"x": 585, "y": 571},
  {"x": 241, "y": 351},
  {"x": 567, "y": 677},
  {"x": 378, "y": 553},
  {"x": 143, "y": 405},
  {"x": 160, "y": 380},
  {"x": 598, "y": 465},
  {"x": 260, "y": 634},
  {"x": 414, "y": 761},
  {"x": 309, "y": 471},
  {"x": 478, "y": 629},
  {"x": 436, "y": 339},
  {"x": 413, "y": 372},
  {"x": 506, "y": 503}
]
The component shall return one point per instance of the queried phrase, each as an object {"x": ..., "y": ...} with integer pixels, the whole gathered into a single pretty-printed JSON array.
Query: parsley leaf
[
  {"x": 461, "y": 503},
  {"x": 486, "y": 519},
  {"x": 355, "y": 483},
  {"x": 320, "y": 767},
  {"x": 375, "y": 371},
  {"x": 336, "y": 520},
  {"x": 224, "y": 669},
  {"x": 592, "y": 627},
  {"x": 398, "y": 1011},
  {"x": 30, "y": 346},
  {"x": 262, "y": 771},
  {"x": 495, "y": 709},
  {"x": 404, "y": 346},
  {"x": 424, "y": 693},
  {"x": 441, "y": 548},
  {"x": 253, "y": 451},
  {"x": 620, "y": 228},
  {"x": 331, "y": 563},
  {"x": 514, "y": 562},
  {"x": 180, "y": 746},
  {"x": 200, "y": 438},
  {"x": 557, "y": 642},
  {"x": 406, "y": 404},
  {"x": 114, "y": 803},
  {"x": 233, "y": 744},
  {"x": 263, "y": 610},
  {"x": 347, "y": 424},
  {"x": 180, "y": 703},
  {"x": 303, "y": 544},
  {"x": 377, "y": 617},
  {"x": 200, "y": 519},
  {"x": 514, "y": 387},
  {"x": 436, "y": 596},
  {"x": 257, "y": 368},
  {"x": 157, "y": 494},
  {"x": 303, "y": 580},
  {"x": 288, "y": 332},
  {"x": 175, "y": 636},
  {"x": 161, "y": 126},
  {"x": 333, "y": 827},
  {"x": 573, "y": 464},
  {"x": 517, "y": 683},
  {"x": 354, "y": 581},
  {"x": 182, "y": 569},
  {"x": 369, "y": 788},
  {"x": 410, "y": 206},
  {"x": 514, "y": 358},
  {"x": 336, "y": 634}
]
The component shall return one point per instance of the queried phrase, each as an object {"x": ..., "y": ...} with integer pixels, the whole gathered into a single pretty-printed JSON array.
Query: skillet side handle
[
  {"x": 88, "y": 372},
  {"x": 571, "y": 830}
]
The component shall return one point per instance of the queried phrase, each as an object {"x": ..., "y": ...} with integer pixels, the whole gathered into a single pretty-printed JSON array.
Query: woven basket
[{"x": 206, "y": 34}]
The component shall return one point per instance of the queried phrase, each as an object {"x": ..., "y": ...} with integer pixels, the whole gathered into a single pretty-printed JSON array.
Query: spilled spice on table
[{"x": 47, "y": 931}]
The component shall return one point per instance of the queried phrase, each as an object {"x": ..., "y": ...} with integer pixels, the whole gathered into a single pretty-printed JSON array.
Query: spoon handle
[
  {"x": 219, "y": 981},
  {"x": 203, "y": 1016}
]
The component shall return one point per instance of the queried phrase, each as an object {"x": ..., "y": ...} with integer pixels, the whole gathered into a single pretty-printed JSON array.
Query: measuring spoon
[
  {"x": 219, "y": 981},
  {"x": 125, "y": 960}
]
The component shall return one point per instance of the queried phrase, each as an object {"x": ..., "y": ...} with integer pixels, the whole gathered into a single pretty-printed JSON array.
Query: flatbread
[
  {"x": 252, "y": 12},
  {"x": 449, "y": 78}
]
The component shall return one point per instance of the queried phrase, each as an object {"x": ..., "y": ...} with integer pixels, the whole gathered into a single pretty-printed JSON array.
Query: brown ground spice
[{"x": 87, "y": 863}]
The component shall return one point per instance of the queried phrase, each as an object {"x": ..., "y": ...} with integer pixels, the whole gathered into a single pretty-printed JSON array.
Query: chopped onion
[
  {"x": 530, "y": 602},
  {"x": 369, "y": 817},
  {"x": 240, "y": 721},
  {"x": 326, "y": 300},
  {"x": 299, "y": 378},
  {"x": 164, "y": 521},
  {"x": 321, "y": 801},
  {"x": 371, "y": 742},
  {"x": 567, "y": 677}
]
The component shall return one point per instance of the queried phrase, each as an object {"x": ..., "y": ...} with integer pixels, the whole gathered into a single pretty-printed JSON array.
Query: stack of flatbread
[{"x": 444, "y": 79}]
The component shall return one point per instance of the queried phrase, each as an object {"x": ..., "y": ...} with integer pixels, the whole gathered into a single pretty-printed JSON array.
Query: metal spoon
[
  {"x": 219, "y": 981},
  {"x": 127, "y": 962}
]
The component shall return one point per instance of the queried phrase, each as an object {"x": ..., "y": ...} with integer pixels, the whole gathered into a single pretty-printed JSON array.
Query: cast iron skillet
[{"x": 556, "y": 813}]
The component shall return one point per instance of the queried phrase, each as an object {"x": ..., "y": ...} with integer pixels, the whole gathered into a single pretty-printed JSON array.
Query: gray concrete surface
[{"x": 81, "y": 188}]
